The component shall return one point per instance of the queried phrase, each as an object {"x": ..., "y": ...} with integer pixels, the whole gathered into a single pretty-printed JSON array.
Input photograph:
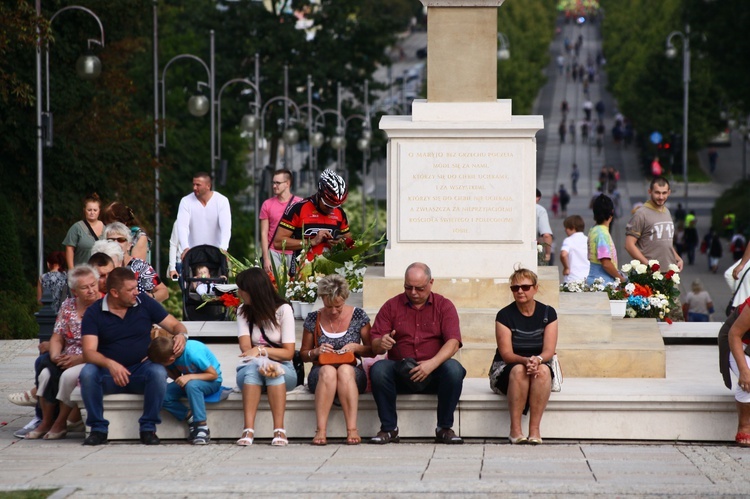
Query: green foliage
[
  {"x": 103, "y": 129},
  {"x": 647, "y": 84},
  {"x": 529, "y": 26},
  {"x": 733, "y": 200},
  {"x": 17, "y": 297},
  {"x": 173, "y": 304}
]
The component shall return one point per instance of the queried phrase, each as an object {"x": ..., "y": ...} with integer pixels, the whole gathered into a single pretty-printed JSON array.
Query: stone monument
[{"x": 461, "y": 196}]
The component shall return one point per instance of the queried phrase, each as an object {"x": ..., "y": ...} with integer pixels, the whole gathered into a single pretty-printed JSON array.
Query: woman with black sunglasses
[{"x": 526, "y": 335}]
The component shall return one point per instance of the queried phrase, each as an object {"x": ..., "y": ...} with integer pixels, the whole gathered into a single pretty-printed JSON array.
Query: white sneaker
[{"x": 30, "y": 426}]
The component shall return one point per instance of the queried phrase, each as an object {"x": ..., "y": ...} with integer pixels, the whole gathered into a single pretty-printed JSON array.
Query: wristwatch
[
  {"x": 187, "y": 337},
  {"x": 541, "y": 359}
]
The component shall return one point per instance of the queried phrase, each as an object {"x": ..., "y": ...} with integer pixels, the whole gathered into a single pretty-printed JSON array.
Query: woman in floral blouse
[{"x": 59, "y": 375}]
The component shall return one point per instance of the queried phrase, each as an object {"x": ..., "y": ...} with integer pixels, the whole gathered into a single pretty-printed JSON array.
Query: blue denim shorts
[{"x": 248, "y": 375}]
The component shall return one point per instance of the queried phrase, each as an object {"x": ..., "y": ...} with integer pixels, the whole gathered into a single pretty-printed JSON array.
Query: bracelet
[{"x": 541, "y": 359}]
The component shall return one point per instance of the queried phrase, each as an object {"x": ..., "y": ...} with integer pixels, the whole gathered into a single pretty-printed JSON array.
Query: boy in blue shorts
[{"x": 196, "y": 374}]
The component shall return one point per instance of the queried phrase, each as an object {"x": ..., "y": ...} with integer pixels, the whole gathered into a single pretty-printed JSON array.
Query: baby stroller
[{"x": 216, "y": 263}]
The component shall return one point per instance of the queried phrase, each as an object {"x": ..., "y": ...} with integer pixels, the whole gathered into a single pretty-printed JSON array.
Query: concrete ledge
[
  {"x": 690, "y": 330},
  {"x": 612, "y": 409}
]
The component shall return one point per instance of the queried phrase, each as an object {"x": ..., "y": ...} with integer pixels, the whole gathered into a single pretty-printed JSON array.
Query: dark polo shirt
[{"x": 123, "y": 340}]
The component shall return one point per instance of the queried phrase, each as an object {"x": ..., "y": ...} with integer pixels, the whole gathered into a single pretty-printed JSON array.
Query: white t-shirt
[
  {"x": 578, "y": 258},
  {"x": 210, "y": 224},
  {"x": 283, "y": 334},
  {"x": 542, "y": 221}
]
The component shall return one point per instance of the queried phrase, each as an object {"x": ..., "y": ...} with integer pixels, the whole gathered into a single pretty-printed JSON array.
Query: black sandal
[{"x": 385, "y": 437}]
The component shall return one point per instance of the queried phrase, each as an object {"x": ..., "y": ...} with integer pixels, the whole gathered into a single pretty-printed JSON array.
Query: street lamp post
[
  {"x": 160, "y": 112},
  {"x": 671, "y": 52},
  {"x": 88, "y": 67}
]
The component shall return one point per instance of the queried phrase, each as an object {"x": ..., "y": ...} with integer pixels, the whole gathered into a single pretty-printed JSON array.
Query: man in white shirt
[
  {"x": 204, "y": 217},
  {"x": 543, "y": 229}
]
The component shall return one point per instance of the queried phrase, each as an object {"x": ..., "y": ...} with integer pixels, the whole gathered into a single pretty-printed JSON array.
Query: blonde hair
[{"x": 522, "y": 273}]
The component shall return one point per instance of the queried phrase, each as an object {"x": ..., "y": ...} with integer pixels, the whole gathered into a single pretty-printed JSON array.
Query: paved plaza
[{"x": 478, "y": 468}]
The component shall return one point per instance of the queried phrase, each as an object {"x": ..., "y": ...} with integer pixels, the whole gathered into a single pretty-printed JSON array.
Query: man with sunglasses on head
[
  {"x": 420, "y": 325},
  {"x": 270, "y": 215},
  {"x": 319, "y": 219}
]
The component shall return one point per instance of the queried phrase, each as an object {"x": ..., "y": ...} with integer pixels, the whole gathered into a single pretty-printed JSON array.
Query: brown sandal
[
  {"x": 318, "y": 440},
  {"x": 352, "y": 437}
]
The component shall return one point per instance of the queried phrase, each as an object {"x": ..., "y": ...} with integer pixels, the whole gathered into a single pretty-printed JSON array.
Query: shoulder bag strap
[
  {"x": 316, "y": 333},
  {"x": 91, "y": 230},
  {"x": 263, "y": 334},
  {"x": 739, "y": 284}
]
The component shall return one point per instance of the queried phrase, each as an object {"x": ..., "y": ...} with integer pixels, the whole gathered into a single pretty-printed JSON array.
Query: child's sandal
[
  {"x": 247, "y": 437},
  {"x": 279, "y": 437}
]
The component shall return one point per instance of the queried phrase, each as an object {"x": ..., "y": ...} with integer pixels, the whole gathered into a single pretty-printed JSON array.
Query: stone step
[{"x": 691, "y": 405}]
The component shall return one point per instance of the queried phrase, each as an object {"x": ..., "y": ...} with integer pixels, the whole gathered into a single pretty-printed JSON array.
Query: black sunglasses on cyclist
[{"x": 525, "y": 287}]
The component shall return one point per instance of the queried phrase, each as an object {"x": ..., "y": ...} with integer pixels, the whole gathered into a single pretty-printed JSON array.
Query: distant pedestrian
[
  {"x": 712, "y": 243},
  {"x": 737, "y": 245},
  {"x": 713, "y": 157},
  {"x": 698, "y": 306},
  {"x": 574, "y": 176},
  {"x": 564, "y": 200},
  {"x": 564, "y": 108},
  {"x": 555, "y": 204},
  {"x": 679, "y": 214},
  {"x": 588, "y": 106},
  {"x": 562, "y": 130},
  {"x": 572, "y": 131},
  {"x": 584, "y": 132},
  {"x": 600, "y": 109},
  {"x": 691, "y": 236}
]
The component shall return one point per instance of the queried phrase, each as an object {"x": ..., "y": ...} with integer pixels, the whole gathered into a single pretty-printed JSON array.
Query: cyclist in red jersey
[{"x": 318, "y": 219}]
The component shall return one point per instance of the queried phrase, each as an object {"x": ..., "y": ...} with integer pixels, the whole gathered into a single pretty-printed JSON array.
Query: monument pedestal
[{"x": 461, "y": 189}]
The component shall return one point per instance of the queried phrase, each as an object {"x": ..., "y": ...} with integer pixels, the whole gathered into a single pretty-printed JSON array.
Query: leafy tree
[
  {"x": 529, "y": 27},
  {"x": 648, "y": 85}
]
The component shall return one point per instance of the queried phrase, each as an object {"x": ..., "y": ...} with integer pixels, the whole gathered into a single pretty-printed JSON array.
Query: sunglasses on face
[
  {"x": 279, "y": 183},
  {"x": 414, "y": 288},
  {"x": 118, "y": 239},
  {"x": 514, "y": 288}
]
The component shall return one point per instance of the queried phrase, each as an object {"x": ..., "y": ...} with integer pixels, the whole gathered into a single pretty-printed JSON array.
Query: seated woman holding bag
[
  {"x": 266, "y": 335},
  {"x": 333, "y": 338},
  {"x": 526, "y": 335}
]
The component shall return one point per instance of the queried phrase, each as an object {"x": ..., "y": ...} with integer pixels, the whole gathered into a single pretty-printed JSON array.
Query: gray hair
[
  {"x": 120, "y": 229},
  {"x": 79, "y": 272},
  {"x": 109, "y": 248},
  {"x": 333, "y": 286}
]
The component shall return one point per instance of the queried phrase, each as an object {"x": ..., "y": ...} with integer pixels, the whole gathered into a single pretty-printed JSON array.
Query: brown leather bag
[{"x": 331, "y": 358}]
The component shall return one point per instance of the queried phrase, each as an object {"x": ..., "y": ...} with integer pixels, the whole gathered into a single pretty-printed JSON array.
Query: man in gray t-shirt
[{"x": 649, "y": 233}]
